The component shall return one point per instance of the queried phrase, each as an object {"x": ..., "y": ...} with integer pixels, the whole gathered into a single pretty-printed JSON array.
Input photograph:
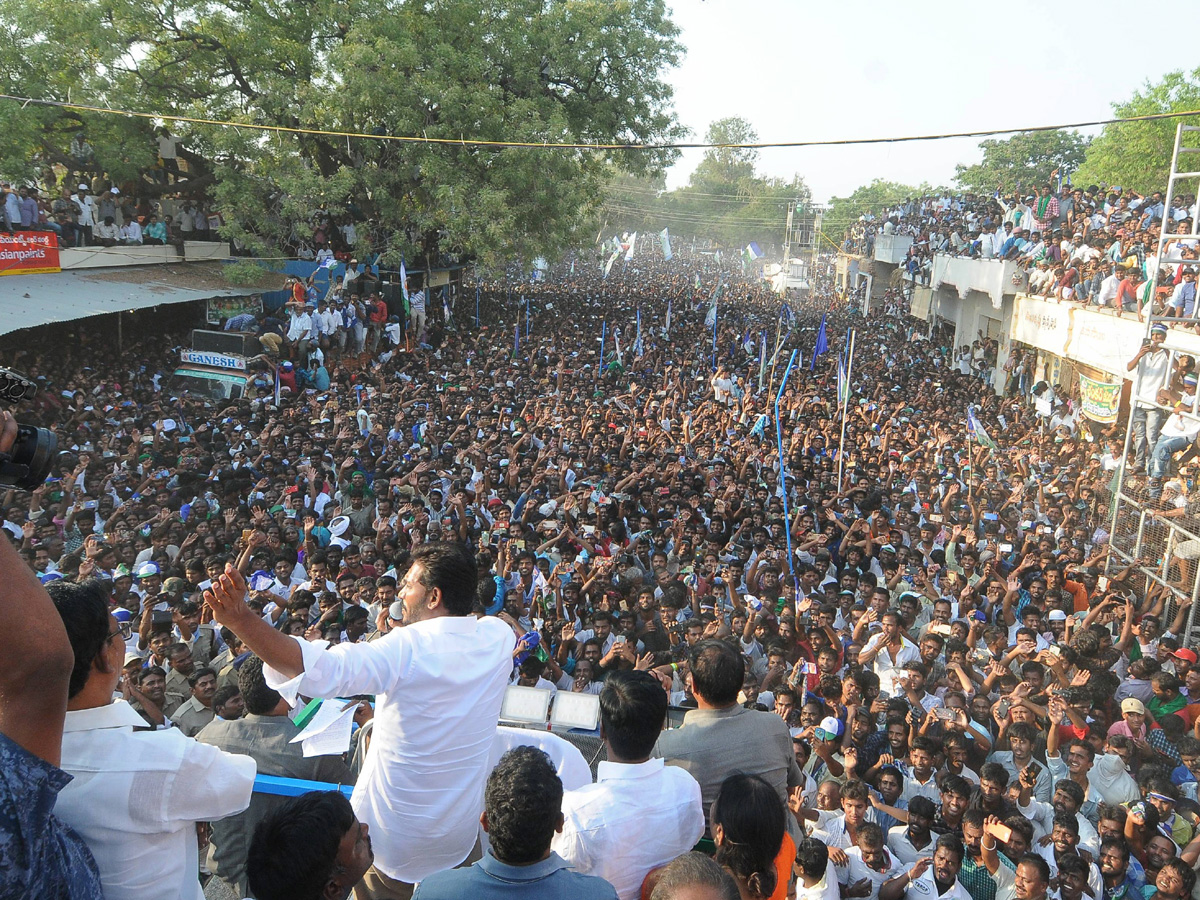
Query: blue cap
[{"x": 48, "y": 577}]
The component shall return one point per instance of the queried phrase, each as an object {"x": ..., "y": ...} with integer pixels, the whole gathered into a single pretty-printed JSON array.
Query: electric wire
[{"x": 553, "y": 145}]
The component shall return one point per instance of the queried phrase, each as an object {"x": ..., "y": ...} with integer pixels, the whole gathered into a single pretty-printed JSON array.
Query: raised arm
[
  {"x": 227, "y": 599},
  {"x": 36, "y": 662}
]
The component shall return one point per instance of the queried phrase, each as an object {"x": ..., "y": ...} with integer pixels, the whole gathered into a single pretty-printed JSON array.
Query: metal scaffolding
[{"x": 1156, "y": 536}]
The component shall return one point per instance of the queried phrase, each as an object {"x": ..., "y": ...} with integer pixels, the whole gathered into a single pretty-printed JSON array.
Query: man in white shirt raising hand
[{"x": 439, "y": 681}]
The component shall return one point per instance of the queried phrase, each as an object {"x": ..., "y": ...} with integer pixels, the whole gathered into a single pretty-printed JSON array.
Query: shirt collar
[
  {"x": 117, "y": 714},
  {"x": 614, "y": 771},
  {"x": 535, "y": 872},
  {"x": 696, "y": 714}
]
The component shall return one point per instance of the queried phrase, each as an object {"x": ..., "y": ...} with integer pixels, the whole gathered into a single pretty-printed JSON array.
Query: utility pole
[{"x": 787, "y": 237}]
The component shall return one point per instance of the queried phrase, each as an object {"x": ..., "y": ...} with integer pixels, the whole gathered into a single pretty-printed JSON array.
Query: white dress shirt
[
  {"x": 439, "y": 684},
  {"x": 300, "y": 327},
  {"x": 1042, "y": 816},
  {"x": 901, "y": 845},
  {"x": 831, "y": 828},
  {"x": 856, "y": 870},
  {"x": 135, "y": 797},
  {"x": 925, "y": 888},
  {"x": 568, "y": 760},
  {"x": 887, "y": 668},
  {"x": 825, "y": 889},
  {"x": 635, "y": 818}
]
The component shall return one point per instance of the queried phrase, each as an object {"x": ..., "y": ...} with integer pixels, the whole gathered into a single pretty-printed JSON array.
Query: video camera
[{"x": 28, "y": 463}]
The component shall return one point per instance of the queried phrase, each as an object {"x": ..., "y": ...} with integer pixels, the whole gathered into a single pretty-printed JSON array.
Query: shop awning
[{"x": 27, "y": 301}]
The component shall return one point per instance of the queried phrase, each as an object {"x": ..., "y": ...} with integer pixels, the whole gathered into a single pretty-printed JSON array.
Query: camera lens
[{"x": 30, "y": 458}]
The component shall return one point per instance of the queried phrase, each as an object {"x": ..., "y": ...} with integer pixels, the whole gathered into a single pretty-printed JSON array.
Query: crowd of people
[
  {"x": 908, "y": 666},
  {"x": 1094, "y": 245},
  {"x": 89, "y": 209}
]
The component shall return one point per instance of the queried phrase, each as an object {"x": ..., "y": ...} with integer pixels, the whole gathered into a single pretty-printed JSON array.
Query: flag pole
[
  {"x": 787, "y": 524},
  {"x": 845, "y": 409},
  {"x": 762, "y": 359},
  {"x": 716, "y": 317},
  {"x": 775, "y": 355},
  {"x": 603, "y": 335},
  {"x": 971, "y": 463}
]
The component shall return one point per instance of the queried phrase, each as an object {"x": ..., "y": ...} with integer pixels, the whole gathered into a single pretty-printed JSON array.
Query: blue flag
[
  {"x": 788, "y": 317},
  {"x": 822, "y": 345}
]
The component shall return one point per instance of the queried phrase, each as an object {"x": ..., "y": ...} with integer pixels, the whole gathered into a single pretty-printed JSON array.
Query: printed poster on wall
[
  {"x": 29, "y": 253},
  {"x": 1099, "y": 399},
  {"x": 221, "y": 308}
]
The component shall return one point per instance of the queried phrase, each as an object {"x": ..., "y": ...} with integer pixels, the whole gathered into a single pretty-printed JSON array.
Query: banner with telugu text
[
  {"x": 1099, "y": 400},
  {"x": 29, "y": 253}
]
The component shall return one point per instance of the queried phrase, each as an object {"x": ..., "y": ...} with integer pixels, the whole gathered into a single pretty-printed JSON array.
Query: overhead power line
[{"x": 552, "y": 145}]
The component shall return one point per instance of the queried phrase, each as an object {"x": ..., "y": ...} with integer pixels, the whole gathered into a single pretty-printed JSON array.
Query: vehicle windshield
[{"x": 214, "y": 387}]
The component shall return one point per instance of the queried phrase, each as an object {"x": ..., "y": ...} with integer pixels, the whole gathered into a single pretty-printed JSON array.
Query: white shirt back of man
[
  {"x": 633, "y": 819},
  {"x": 135, "y": 797}
]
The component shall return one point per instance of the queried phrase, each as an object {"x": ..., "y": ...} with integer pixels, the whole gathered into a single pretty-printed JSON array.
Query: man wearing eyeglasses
[{"x": 135, "y": 796}]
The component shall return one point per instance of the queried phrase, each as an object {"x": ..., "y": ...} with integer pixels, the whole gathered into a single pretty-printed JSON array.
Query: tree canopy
[
  {"x": 1138, "y": 154},
  {"x": 1025, "y": 159},
  {"x": 585, "y": 71}
]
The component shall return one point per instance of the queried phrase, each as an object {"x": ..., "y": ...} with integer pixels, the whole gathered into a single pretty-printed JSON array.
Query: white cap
[{"x": 829, "y": 729}]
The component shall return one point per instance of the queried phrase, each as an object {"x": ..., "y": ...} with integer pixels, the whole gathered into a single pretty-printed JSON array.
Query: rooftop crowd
[
  {"x": 85, "y": 205},
  {"x": 924, "y": 679},
  {"x": 1094, "y": 245}
]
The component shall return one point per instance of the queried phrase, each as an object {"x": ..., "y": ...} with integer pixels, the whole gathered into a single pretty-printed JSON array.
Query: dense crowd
[
  {"x": 1093, "y": 245},
  {"x": 910, "y": 669},
  {"x": 100, "y": 213}
]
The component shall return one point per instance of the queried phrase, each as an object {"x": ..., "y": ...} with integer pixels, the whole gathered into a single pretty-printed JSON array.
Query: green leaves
[
  {"x": 519, "y": 70},
  {"x": 1026, "y": 159},
  {"x": 1138, "y": 154}
]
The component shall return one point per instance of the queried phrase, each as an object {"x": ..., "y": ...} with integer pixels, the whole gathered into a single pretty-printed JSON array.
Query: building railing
[
  {"x": 995, "y": 277},
  {"x": 1093, "y": 336}
]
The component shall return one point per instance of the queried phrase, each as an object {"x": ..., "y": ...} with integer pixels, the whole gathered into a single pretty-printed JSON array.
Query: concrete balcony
[
  {"x": 1087, "y": 335},
  {"x": 993, "y": 277},
  {"x": 892, "y": 248}
]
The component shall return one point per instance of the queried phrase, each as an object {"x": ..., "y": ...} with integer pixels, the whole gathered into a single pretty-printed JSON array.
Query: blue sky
[{"x": 805, "y": 70}]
